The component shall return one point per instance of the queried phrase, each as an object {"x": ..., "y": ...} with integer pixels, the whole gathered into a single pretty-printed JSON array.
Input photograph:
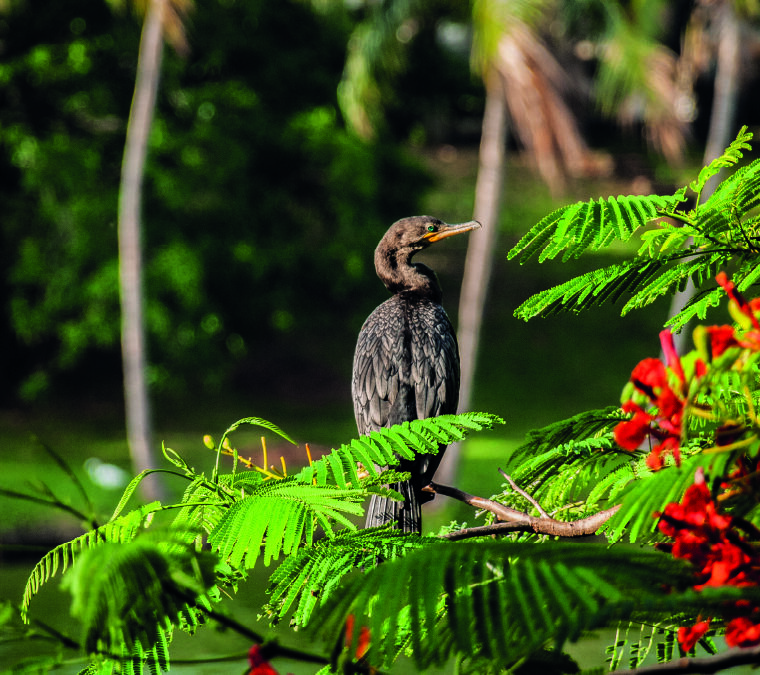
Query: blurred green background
[{"x": 262, "y": 210}]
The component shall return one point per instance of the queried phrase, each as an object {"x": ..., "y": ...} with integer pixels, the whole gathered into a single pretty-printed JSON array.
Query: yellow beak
[{"x": 450, "y": 230}]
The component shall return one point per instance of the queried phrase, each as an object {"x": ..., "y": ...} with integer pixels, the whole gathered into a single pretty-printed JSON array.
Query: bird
[{"x": 406, "y": 361}]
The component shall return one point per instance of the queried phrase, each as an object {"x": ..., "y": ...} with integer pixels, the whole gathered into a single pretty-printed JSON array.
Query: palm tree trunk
[
  {"x": 134, "y": 360},
  {"x": 479, "y": 260},
  {"x": 722, "y": 122}
]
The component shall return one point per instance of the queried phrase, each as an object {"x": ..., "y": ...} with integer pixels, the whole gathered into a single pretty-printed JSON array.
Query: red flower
[
  {"x": 712, "y": 542},
  {"x": 656, "y": 458},
  {"x": 649, "y": 375},
  {"x": 363, "y": 642},
  {"x": 671, "y": 355},
  {"x": 742, "y": 632},
  {"x": 259, "y": 665},
  {"x": 721, "y": 339},
  {"x": 688, "y": 637},
  {"x": 631, "y": 433}
]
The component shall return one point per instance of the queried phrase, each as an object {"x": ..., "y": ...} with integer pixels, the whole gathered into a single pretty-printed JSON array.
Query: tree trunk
[
  {"x": 134, "y": 360},
  {"x": 722, "y": 122},
  {"x": 479, "y": 260}
]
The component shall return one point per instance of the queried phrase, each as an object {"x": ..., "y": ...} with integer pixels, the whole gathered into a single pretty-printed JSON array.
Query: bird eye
[{"x": 431, "y": 228}]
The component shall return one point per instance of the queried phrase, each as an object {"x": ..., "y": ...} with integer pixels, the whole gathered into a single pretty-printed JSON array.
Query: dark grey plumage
[{"x": 406, "y": 363}]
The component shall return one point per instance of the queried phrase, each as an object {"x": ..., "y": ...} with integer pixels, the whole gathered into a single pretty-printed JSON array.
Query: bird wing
[
  {"x": 376, "y": 377},
  {"x": 406, "y": 364}
]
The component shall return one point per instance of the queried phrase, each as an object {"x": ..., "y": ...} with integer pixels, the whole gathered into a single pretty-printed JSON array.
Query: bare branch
[{"x": 517, "y": 521}]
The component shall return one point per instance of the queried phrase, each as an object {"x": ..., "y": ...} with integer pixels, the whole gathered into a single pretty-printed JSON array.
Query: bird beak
[{"x": 450, "y": 230}]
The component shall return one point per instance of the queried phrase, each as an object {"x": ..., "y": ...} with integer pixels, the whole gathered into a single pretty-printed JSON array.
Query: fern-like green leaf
[
  {"x": 308, "y": 579},
  {"x": 251, "y": 421},
  {"x": 589, "y": 225},
  {"x": 591, "y": 289},
  {"x": 583, "y": 425},
  {"x": 507, "y": 599},
  {"x": 696, "y": 307},
  {"x": 731, "y": 155},
  {"x": 685, "y": 243},
  {"x": 700, "y": 268},
  {"x": 129, "y": 596},
  {"x": 121, "y": 530},
  {"x": 573, "y": 461},
  {"x": 281, "y": 515},
  {"x": 384, "y": 447}
]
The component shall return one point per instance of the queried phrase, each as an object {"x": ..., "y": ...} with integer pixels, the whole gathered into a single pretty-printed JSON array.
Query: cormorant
[{"x": 406, "y": 363}]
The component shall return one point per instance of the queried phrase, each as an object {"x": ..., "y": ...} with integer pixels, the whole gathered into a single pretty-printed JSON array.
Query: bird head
[{"x": 418, "y": 232}]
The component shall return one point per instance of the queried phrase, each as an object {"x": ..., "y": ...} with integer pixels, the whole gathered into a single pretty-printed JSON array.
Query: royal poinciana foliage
[{"x": 672, "y": 469}]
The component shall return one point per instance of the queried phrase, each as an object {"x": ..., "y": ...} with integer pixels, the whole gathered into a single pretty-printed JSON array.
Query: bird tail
[{"x": 407, "y": 514}]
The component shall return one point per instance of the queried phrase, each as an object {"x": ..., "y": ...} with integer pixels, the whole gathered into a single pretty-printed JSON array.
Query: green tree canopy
[{"x": 260, "y": 208}]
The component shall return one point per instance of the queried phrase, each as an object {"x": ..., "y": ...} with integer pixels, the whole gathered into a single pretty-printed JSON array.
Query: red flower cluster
[
  {"x": 711, "y": 542},
  {"x": 658, "y": 405},
  {"x": 662, "y": 420}
]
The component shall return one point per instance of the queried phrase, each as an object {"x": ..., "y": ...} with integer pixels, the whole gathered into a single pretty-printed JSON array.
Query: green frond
[
  {"x": 747, "y": 275},
  {"x": 697, "y": 307},
  {"x": 666, "y": 239},
  {"x": 203, "y": 507},
  {"x": 281, "y": 516},
  {"x": 731, "y": 155},
  {"x": 577, "y": 427},
  {"x": 590, "y": 225},
  {"x": 121, "y": 530},
  {"x": 685, "y": 244},
  {"x": 128, "y": 597},
  {"x": 250, "y": 421},
  {"x": 257, "y": 422},
  {"x": 576, "y": 476},
  {"x": 591, "y": 289},
  {"x": 306, "y": 580},
  {"x": 700, "y": 268},
  {"x": 507, "y": 600},
  {"x": 384, "y": 447}
]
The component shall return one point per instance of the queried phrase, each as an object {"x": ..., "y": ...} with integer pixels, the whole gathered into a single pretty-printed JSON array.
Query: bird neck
[{"x": 399, "y": 274}]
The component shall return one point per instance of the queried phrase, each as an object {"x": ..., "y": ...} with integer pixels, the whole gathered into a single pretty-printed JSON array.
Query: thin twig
[{"x": 524, "y": 494}]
